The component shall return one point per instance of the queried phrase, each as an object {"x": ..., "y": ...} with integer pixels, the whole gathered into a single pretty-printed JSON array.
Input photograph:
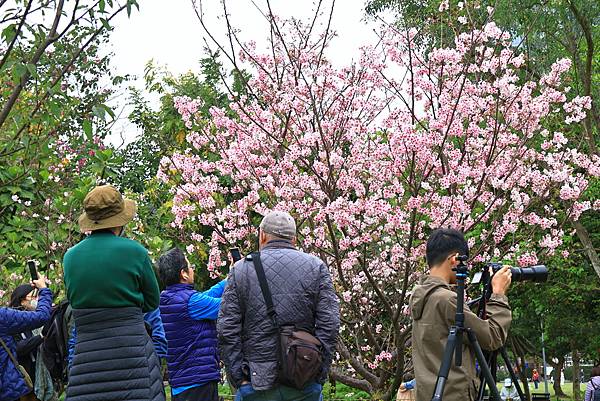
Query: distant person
[
  {"x": 405, "y": 392},
  {"x": 303, "y": 301},
  {"x": 13, "y": 382},
  {"x": 25, "y": 298},
  {"x": 409, "y": 385},
  {"x": 110, "y": 283},
  {"x": 509, "y": 392},
  {"x": 189, "y": 318},
  {"x": 535, "y": 378},
  {"x": 592, "y": 390}
]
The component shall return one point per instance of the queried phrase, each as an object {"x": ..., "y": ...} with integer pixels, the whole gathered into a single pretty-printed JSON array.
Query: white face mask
[{"x": 33, "y": 304}]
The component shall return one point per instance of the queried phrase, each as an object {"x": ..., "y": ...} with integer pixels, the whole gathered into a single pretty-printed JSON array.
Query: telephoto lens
[{"x": 536, "y": 274}]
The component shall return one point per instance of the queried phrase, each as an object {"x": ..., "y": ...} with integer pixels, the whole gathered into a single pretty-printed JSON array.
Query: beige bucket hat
[{"x": 105, "y": 207}]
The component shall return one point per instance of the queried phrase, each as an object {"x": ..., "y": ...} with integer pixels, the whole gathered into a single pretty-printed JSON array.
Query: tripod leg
[
  {"x": 485, "y": 369},
  {"x": 445, "y": 368},
  {"x": 481, "y": 394},
  {"x": 513, "y": 376}
]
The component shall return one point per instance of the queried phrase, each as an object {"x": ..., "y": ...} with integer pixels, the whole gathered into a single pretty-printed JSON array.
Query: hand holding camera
[{"x": 501, "y": 280}]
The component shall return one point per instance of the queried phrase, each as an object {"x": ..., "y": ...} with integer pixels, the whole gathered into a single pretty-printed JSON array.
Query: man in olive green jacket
[{"x": 433, "y": 308}]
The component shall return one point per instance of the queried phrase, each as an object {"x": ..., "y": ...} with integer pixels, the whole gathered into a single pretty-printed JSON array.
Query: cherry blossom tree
[{"x": 371, "y": 157}]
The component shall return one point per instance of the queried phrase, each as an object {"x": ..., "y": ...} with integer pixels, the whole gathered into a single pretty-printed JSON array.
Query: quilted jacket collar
[{"x": 279, "y": 243}]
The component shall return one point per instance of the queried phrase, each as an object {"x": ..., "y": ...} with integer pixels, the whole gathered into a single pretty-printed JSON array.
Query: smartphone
[
  {"x": 32, "y": 270},
  {"x": 235, "y": 254}
]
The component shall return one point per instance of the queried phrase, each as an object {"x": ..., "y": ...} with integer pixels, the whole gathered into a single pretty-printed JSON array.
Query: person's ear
[
  {"x": 183, "y": 275},
  {"x": 453, "y": 259},
  {"x": 262, "y": 237}
]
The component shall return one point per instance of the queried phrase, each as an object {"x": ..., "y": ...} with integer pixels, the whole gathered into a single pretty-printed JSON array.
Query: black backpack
[{"x": 55, "y": 348}]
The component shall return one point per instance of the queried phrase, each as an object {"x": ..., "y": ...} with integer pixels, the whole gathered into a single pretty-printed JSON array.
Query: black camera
[{"x": 536, "y": 274}]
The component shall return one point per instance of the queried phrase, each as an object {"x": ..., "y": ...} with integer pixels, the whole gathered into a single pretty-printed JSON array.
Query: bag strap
[
  {"x": 264, "y": 287},
  {"x": 11, "y": 356}
]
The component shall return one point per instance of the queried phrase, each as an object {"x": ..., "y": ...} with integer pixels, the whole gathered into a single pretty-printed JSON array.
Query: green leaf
[
  {"x": 9, "y": 33},
  {"x": 109, "y": 111},
  {"x": 102, "y": 5},
  {"x": 105, "y": 24},
  {"x": 32, "y": 70},
  {"x": 99, "y": 111},
  {"x": 19, "y": 70},
  {"x": 87, "y": 129}
]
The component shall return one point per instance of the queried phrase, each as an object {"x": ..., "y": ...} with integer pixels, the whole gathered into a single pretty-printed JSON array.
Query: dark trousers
[
  {"x": 206, "y": 392},
  {"x": 312, "y": 392}
]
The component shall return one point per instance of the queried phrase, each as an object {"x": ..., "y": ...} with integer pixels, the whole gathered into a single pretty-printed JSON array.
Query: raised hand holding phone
[
  {"x": 32, "y": 270},
  {"x": 235, "y": 254}
]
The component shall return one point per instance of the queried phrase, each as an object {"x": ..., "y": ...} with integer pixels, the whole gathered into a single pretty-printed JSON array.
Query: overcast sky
[{"x": 169, "y": 32}]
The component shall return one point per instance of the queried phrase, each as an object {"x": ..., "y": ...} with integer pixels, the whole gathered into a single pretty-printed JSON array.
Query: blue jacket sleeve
[
  {"x": 15, "y": 321},
  {"x": 205, "y": 305},
  {"x": 410, "y": 384},
  {"x": 72, "y": 341},
  {"x": 158, "y": 332},
  {"x": 216, "y": 290}
]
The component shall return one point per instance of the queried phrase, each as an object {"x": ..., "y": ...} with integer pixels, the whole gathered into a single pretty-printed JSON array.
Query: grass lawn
[
  {"x": 343, "y": 392},
  {"x": 567, "y": 388}
]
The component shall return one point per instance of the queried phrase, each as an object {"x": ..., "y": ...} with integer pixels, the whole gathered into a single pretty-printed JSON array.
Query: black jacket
[
  {"x": 114, "y": 358},
  {"x": 303, "y": 294}
]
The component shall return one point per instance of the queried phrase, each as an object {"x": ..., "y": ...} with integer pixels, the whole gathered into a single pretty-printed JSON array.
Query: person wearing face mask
[
  {"x": 25, "y": 298},
  {"x": 110, "y": 284},
  {"x": 26, "y": 313}
]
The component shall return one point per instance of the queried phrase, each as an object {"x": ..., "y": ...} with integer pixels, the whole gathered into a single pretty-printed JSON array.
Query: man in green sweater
[{"x": 110, "y": 282}]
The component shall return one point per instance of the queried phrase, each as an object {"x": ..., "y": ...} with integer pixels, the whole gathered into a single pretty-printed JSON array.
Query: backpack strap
[
  {"x": 264, "y": 287},
  {"x": 15, "y": 362}
]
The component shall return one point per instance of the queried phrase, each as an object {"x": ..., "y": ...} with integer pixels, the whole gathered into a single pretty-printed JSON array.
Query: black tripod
[
  {"x": 492, "y": 357},
  {"x": 455, "y": 339},
  {"x": 492, "y": 362}
]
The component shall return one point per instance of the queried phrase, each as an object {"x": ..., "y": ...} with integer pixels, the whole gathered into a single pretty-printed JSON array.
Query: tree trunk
[
  {"x": 523, "y": 375},
  {"x": 576, "y": 378},
  {"x": 556, "y": 373},
  {"x": 588, "y": 246}
]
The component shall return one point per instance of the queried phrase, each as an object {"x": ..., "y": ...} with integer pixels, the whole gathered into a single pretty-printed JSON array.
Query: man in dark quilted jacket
[
  {"x": 303, "y": 296},
  {"x": 13, "y": 321}
]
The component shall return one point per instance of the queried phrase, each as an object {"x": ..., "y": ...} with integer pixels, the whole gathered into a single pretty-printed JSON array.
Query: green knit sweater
[{"x": 107, "y": 271}]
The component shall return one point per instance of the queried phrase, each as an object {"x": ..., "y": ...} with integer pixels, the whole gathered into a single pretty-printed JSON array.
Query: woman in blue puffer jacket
[{"x": 12, "y": 321}]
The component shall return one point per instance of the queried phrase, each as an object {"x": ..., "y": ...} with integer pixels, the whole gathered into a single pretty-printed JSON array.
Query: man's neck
[{"x": 440, "y": 272}]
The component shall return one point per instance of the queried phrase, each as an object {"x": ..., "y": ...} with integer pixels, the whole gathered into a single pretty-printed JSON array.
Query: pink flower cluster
[{"x": 187, "y": 108}]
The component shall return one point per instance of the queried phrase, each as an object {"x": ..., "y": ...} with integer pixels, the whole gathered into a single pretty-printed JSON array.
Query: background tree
[
  {"x": 53, "y": 118},
  {"x": 545, "y": 31},
  {"x": 162, "y": 133},
  {"x": 371, "y": 157}
]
